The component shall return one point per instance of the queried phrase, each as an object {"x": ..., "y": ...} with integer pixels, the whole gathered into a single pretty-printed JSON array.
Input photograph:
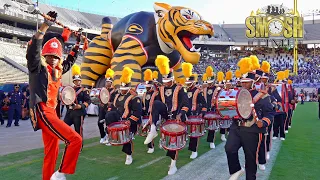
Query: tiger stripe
[
  {"x": 177, "y": 71},
  {"x": 96, "y": 60},
  {"x": 135, "y": 58}
]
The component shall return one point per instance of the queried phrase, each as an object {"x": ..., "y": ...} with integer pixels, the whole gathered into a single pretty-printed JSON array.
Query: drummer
[
  {"x": 279, "y": 119},
  {"x": 196, "y": 100},
  {"x": 208, "y": 96},
  {"x": 76, "y": 112},
  {"x": 220, "y": 85},
  {"x": 127, "y": 107},
  {"x": 173, "y": 105},
  {"x": 103, "y": 108},
  {"x": 148, "y": 98},
  {"x": 246, "y": 133},
  {"x": 237, "y": 74}
]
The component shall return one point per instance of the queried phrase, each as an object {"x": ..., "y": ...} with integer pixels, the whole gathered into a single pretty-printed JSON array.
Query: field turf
[
  {"x": 101, "y": 162},
  {"x": 299, "y": 156}
]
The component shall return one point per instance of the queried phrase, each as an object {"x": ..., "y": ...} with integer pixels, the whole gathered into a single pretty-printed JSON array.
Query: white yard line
[
  {"x": 213, "y": 165},
  {"x": 151, "y": 162},
  {"x": 113, "y": 178}
]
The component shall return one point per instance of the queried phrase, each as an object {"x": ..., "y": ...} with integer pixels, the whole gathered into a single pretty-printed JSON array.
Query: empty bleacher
[
  {"x": 312, "y": 31},
  {"x": 13, "y": 51},
  {"x": 11, "y": 74}
]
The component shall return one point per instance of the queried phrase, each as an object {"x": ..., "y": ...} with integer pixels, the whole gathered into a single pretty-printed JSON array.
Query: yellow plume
[
  {"x": 280, "y": 75},
  {"x": 195, "y": 77},
  {"x": 147, "y": 75},
  {"x": 126, "y": 75},
  {"x": 181, "y": 81},
  {"x": 255, "y": 62},
  {"x": 155, "y": 74},
  {"x": 265, "y": 67},
  {"x": 75, "y": 70},
  {"x": 109, "y": 73},
  {"x": 286, "y": 73},
  {"x": 204, "y": 77},
  {"x": 228, "y": 75},
  {"x": 237, "y": 73},
  {"x": 220, "y": 76},
  {"x": 162, "y": 62},
  {"x": 289, "y": 81},
  {"x": 209, "y": 71},
  {"x": 187, "y": 69},
  {"x": 245, "y": 65}
]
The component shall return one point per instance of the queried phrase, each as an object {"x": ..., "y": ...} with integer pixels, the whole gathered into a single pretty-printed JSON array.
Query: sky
[{"x": 214, "y": 11}]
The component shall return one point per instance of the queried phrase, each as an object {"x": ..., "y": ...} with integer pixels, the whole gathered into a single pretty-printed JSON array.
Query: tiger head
[{"x": 177, "y": 27}]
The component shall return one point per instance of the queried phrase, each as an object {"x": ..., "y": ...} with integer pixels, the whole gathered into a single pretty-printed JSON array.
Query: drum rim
[
  {"x": 74, "y": 98},
  {"x": 237, "y": 104},
  {"x": 100, "y": 94},
  {"x": 194, "y": 122},
  {"x": 110, "y": 128},
  {"x": 173, "y": 133},
  {"x": 211, "y": 119}
]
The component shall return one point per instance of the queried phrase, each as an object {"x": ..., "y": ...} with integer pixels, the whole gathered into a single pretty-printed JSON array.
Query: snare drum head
[
  {"x": 244, "y": 100},
  {"x": 68, "y": 95},
  {"x": 173, "y": 127},
  {"x": 211, "y": 116},
  {"x": 104, "y": 95}
]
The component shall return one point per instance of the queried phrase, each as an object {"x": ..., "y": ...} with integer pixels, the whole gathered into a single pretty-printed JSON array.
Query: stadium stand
[
  {"x": 10, "y": 73},
  {"x": 17, "y": 52}
]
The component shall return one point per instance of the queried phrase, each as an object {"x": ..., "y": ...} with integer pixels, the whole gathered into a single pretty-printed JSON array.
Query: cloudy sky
[{"x": 214, "y": 11}]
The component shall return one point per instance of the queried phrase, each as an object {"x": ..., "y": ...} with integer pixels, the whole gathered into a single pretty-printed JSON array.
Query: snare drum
[
  {"x": 212, "y": 121},
  {"x": 119, "y": 133},
  {"x": 99, "y": 95},
  {"x": 144, "y": 132},
  {"x": 195, "y": 126},
  {"x": 225, "y": 122},
  {"x": 173, "y": 135},
  {"x": 234, "y": 102}
]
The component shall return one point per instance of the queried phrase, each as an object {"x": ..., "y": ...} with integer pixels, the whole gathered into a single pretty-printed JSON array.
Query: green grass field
[
  {"x": 299, "y": 156},
  {"x": 100, "y": 162}
]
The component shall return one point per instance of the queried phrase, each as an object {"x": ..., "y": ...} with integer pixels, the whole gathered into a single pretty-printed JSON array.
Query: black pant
[
  {"x": 249, "y": 141},
  {"x": 193, "y": 144},
  {"x": 223, "y": 130},
  {"x": 278, "y": 125},
  {"x": 269, "y": 137},
  {"x": 102, "y": 115},
  {"x": 159, "y": 108},
  {"x": 288, "y": 120},
  {"x": 151, "y": 145},
  {"x": 262, "y": 149},
  {"x": 318, "y": 110},
  {"x": 114, "y": 116},
  {"x": 1, "y": 116},
  {"x": 72, "y": 118},
  {"x": 210, "y": 137}
]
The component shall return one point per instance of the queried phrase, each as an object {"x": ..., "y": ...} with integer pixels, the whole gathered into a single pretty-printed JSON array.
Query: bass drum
[
  {"x": 99, "y": 95},
  {"x": 234, "y": 103},
  {"x": 68, "y": 95}
]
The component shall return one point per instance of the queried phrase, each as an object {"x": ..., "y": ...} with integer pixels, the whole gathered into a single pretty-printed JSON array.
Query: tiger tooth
[
  {"x": 198, "y": 50},
  {"x": 193, "y": 48}
]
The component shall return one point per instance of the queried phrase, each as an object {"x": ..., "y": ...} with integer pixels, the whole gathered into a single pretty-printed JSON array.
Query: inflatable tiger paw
[{"x": 137, "y": 39}]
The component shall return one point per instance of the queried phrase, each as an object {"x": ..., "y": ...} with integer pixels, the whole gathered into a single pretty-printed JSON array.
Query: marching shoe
[
  {"x": 173, "y": 169},
  {"x": 102, "y": 140},
  {"x": 289, "y": 126},
  {"x": 282, "y": 139},
  {"x": 262, "y": 167},
  {"x": 274, "y": 137},
  {"x": 286, "y": 132},
  {"x": 236, "y": 175},
  {"x": 150, "y": 150},
  {"x": 58, "y": 176},
  {"x": 212, "y": 146},
  {"x": 268, "y": 156},
  {"x": 151, "y": 135},
  {"x": 128, "y": 160},
  {"x": 223, "y": 138},
  {"x": 194, "y": 155}
]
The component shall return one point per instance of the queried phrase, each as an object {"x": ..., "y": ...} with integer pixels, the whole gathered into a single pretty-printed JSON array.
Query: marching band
[{"x": 245, "y": 110}]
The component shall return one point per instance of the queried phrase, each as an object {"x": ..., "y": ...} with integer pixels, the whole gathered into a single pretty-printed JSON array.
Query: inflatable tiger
[{"x": 138, "y": 38}]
